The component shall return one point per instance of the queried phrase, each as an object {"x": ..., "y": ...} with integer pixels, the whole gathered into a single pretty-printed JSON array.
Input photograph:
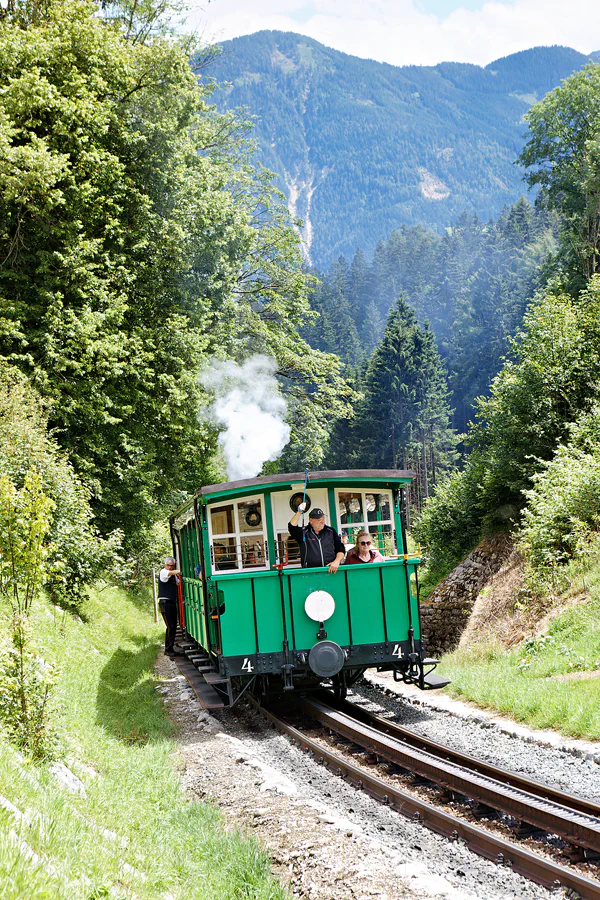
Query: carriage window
[
  {"x": 250, "y": 516},
  {"x": 221, "y": 519},
  {"x": 288, "y": 551},
  {"x": 368, "y": 511},
  {"x": 351, "y": 507},
  {"x": 378, "y": 507},
  {"x": 224, "y": 552},
  {"x": 383, "y": 538},
  {"x": 238, "y": 536}
]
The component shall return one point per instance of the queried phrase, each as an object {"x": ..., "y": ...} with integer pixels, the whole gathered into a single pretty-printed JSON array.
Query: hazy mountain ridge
[{"x": 362, "y": 147}]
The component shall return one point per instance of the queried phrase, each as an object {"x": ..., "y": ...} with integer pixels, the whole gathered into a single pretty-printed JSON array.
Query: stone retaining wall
[{"x": 444, "y": 614}]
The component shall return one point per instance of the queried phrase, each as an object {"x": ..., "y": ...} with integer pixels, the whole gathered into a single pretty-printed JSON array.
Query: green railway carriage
[{"x": 266, "y": 624}]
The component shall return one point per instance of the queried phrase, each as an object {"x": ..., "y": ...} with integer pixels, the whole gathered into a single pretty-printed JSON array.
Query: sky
[{"x": 403, "y": 32}]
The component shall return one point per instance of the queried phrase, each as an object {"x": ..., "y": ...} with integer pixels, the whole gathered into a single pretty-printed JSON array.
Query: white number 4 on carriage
[
  {"x": 247, "y": 666},
  {"x": 396, "y": 652}
]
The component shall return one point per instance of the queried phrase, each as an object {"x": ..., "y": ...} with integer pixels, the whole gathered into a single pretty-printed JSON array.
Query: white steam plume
[{"x": 248, "y": 403}]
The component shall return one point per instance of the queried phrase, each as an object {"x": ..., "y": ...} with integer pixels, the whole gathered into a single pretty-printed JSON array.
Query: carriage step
[
  {"x": 207, "y": 695},
  {"x": 204, "y": 669},
  {"x": 432, "y": 681},
  {"x": 214, "y": 678},
  {"x": 430, "y": 662}
]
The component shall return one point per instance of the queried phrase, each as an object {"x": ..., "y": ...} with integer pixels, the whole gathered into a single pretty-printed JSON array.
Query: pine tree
[
  {"x": 336, "y": 331},
  {"x": 403, "y": 420}
]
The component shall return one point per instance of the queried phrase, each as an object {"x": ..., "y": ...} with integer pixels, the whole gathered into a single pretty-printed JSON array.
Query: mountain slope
[{"x": 362, "y": 147}]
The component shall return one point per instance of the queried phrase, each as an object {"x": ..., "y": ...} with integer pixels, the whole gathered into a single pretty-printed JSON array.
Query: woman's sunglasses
[{"x": 365, "y": 543}]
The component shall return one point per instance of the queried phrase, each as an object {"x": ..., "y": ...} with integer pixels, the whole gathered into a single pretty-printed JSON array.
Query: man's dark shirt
[{"x": 318, "y": 549}]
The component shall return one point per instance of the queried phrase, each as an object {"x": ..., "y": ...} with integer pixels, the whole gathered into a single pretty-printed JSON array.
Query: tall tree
[
  {"x": 136, "y": 239},
  {"x": 403, "y": 420},
  {"x": 563, "y": 156}
]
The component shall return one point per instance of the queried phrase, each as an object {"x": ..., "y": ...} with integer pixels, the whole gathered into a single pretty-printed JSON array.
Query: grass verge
[
  {"x": 132, "y": 833},
  {"x": 547, "y": 682}
]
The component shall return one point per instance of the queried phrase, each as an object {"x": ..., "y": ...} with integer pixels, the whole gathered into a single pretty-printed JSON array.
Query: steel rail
[
  {"x": 530, "y": 865},
  {"x": 545, "y": 791},
  {"x": 578, "y": 828}
]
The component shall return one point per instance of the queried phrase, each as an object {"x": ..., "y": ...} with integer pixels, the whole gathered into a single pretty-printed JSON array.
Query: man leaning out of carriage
[
  {"x": 363, "y": 551},
  {"x": 320, "y": 544}
]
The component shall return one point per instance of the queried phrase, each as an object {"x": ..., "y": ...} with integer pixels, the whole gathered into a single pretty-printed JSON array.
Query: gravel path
[{"x": 327, "y": 840}]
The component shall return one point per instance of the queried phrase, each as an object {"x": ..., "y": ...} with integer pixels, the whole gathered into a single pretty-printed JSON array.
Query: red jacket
[{"x": 353, "y": 557}]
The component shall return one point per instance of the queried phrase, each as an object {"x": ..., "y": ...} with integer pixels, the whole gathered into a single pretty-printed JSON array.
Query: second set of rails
[{"x": 574, "y": 820}]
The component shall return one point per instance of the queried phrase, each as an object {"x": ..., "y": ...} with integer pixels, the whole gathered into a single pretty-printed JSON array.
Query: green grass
[
  {"x": 112, "y": 721},
  {"x": 523, "y": 682}
]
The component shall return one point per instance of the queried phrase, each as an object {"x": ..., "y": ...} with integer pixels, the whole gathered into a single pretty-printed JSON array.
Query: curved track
[{"x": 574, "y": 819}]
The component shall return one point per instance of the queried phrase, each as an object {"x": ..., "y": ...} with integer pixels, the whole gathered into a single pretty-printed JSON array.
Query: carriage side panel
[
  {"x": 302, "y": 582},
  {"x": 251, "y": 616},
  {"x": 365, "y": 600},
  {"x": 396, "y": 602}
]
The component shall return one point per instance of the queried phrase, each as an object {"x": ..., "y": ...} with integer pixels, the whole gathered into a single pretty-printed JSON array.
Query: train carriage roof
[{"x": 262, "y": 482}]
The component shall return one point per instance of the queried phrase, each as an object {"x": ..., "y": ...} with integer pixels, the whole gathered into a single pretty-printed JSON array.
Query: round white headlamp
[{"x": 319, "y": 606}]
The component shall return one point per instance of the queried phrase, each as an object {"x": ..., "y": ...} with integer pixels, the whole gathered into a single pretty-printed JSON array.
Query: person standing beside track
[
  {"x": 168, "y": 595},
  {"x": 320, "y": 544}
]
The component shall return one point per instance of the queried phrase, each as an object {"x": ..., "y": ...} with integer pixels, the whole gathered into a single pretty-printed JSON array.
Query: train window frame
[
  {"x": 281, "y": 539},
  {"x": 365, "y": 524},
  {"x": 238, "y": 535}
]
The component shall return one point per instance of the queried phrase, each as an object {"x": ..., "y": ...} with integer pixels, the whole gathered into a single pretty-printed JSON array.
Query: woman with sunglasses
[{"x": 363, "y": 551}]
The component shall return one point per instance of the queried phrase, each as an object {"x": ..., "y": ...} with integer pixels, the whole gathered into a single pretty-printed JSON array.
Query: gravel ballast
[
  {"x": 327, "y": 840},
  {"x": 571, "y": 766}
]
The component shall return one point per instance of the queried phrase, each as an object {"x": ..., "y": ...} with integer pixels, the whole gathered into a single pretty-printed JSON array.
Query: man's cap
[{"x": 316, "y": 513}]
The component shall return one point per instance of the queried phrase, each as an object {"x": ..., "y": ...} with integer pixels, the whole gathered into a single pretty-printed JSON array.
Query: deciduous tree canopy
[{"x": 136, "y": 240}]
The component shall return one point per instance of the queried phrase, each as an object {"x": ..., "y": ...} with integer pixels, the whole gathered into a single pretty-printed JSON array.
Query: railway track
[{"x": 573, "y": 819}]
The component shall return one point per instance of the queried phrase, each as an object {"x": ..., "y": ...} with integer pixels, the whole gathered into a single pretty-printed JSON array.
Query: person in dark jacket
[
  {"x": 320, "y": 545},
  {"x": 168, "y": 596}
]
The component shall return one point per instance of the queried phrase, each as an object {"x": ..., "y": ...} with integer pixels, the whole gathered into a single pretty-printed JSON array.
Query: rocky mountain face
[{"x": 362, "y": 147}]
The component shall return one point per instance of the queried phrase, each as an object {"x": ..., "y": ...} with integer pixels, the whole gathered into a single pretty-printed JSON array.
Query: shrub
[
  {"x": 551, "y": 379},
  {"x": 452, "y": 521},
  {"x": 25, "y": 679},
  {"x": 26, "y": 698},
  {"x": 75, "y": 553},
  {"x": 145, "y": 552},
  {"x": 563, "y": 507}
]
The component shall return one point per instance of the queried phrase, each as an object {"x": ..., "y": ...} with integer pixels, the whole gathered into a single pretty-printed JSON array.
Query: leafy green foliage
[
  {"x": 472, "y": 285},
  {"x": 452, "y": 521},
  {"x": 27, "y": 700},
  {"x": 74, "y": 554},
  {"x": 550, "y": 381},
  {"x": 563, "y": 156},
  {"x": 402, "y": 420},
  {"x": 25, "y": 519},
  {"x": 25, "y": 679},
  {"x": 137, "y": 240},
  {"x": 562, "y": 516}
]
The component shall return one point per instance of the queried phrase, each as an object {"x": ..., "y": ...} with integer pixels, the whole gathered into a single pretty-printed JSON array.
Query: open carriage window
[
  {"x": 238, "y": 535},
  {"x": 368, "y": 511},
  {"x": 288, "y": 551}
]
